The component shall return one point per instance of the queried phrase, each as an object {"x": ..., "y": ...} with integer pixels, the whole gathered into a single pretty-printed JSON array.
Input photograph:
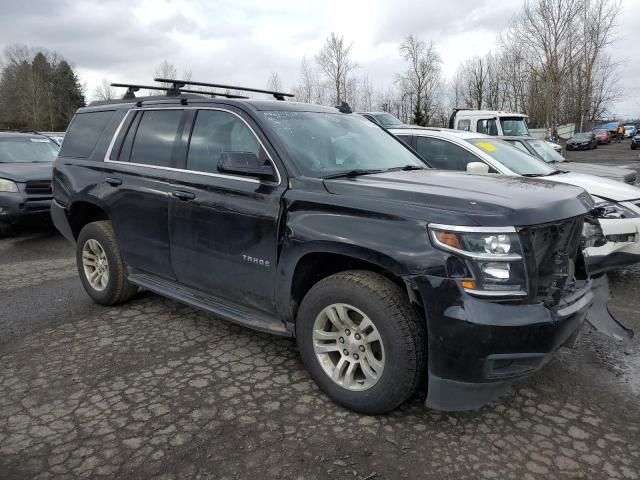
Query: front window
[
  {"x": 487, "y": 126},
  {"x": 324, "y": 144},
  {"x": 546, "y": 152},
  {"x": 29, "y": 150},
  {"x": 387, "y": 120},
  {"x": 512, "y": 158},
  {"x": 514, "y": 126}
]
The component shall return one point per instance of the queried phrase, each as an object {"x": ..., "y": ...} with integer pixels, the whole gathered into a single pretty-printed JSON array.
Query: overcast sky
[{"x": 243, "y": 41}]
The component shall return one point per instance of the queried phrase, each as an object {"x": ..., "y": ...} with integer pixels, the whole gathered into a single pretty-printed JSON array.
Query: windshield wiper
[
  {"x": 531, "y": 175},
  {"x": 353, "y": 173},
  {"x": 557, "y": 172},
  {"x": 406, "y": 168}
]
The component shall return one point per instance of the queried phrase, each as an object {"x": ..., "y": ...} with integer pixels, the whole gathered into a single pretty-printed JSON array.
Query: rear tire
[
  {"x": 338, "y": 322},
  {"x": 100, "y": 266}
]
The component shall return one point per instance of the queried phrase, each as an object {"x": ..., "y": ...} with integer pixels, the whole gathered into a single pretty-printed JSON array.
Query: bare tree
[
  {"x": 104, "y": 91},
  {"x": 423, "y": 76},
  {"x": 545, "y": 30},
  {"x": 335, "y": 61},
  {"x": 274, "y": 83},
  {"x": 307, "y": 90}
]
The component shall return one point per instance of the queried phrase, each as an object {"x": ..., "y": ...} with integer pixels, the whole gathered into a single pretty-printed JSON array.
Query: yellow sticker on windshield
[{"x": 487, "y": 147}]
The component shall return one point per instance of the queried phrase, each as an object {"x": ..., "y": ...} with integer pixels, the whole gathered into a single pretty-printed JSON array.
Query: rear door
[
  {"x": 138, "y": 185},
  {"x": 224, "y": 228}
]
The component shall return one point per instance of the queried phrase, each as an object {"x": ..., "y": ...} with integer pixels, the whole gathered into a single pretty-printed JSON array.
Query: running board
[{"x": 229, "y": 311}]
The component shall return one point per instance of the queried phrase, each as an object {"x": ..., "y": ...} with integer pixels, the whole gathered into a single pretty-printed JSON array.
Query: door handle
[
  {"x": 114, "y": 182},
  {"x": 183, "y": 195}
]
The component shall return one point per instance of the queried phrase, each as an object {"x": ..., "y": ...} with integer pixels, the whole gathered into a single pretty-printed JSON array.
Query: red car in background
[{"x": 602, "y": 136}]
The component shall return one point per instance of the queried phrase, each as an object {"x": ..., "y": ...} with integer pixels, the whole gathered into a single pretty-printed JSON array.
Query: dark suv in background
[
  {"x": 26, "y": 166},
  {"x": 313, "y": 222}
]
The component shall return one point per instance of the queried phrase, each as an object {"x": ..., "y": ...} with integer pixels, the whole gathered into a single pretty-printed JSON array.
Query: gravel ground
[{"x": 155, "y": 389}]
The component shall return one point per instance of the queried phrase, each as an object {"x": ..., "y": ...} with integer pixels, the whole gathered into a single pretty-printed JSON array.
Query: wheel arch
[
  {"x": 82, "y": 212},
  {"x": 315, "y": 261}
]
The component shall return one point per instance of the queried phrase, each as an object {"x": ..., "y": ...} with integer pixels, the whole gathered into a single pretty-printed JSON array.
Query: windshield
[
  {"x": 511, "y": 157},
  {"x": 21, "y": 150},
  {"x": 600, "y": 132},
  {"x": 387, "y": 120},
  {"x": 514, "y": 126},
  {"x": 324, "y": 144},
  {"x": 583, "y": 136},
  {"x": 545, "y": 151}
]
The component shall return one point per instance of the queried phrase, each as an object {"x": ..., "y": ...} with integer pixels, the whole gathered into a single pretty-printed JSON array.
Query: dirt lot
[{"x": 154, "y": 389}]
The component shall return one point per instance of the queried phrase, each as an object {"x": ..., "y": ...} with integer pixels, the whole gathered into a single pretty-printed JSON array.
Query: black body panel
[{"x": 232, "y": 245}]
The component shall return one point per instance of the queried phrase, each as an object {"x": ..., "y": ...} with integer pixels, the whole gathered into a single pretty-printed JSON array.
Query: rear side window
[
  {"x": 155, "y": 137},
  {"x": 464, "y": 125},
  {"x": 443, "y": 154},
  {"x": 84, "y": 132},
  {"x": 214, "y": 133}
]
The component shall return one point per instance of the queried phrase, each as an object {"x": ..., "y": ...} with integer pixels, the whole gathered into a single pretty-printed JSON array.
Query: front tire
[
  {"x": 362, "y": 341},
  {"x": 100, "y": 266}
]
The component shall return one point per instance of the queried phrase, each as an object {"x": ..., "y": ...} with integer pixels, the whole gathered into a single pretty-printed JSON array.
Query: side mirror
[
  {"x": 245, "y": 163},
  {"x": 477, "y": 168}
]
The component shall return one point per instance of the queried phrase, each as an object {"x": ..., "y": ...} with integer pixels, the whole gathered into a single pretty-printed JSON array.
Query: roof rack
[
  {"x": 170, "y": 91},
  {"x": 178, "y": 84}
]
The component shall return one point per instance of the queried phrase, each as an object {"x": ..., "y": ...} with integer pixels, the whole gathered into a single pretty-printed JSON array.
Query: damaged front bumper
[
  {"x": 478, "y": 348},
  {"x": 620, "y": 248}
]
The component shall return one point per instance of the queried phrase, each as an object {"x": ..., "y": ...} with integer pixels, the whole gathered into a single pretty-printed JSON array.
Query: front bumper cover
[
  {"x": 478, "y": 348},
  {"x": 15, "y": 206}
]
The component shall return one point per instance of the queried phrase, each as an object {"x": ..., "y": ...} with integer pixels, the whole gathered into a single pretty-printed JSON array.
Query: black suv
[
  {"x": 26, "y": 163},
  {"x": 313, "y": 222}
]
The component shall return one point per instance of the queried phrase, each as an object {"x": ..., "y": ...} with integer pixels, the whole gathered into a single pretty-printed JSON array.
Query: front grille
[
  {"x": 38, "y": 187},
  {"x": 550, "y": 252}
]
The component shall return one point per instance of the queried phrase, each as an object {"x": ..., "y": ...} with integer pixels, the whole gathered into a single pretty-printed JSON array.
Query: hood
[
  {"x": 616, "y": 173},
  {"x": 487, "y": 200},
  {"x": 599, "y": 186},
  {"x": 23, "y": 172}
]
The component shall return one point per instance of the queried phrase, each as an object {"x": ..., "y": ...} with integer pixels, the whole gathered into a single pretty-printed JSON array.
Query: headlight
[
  {"x": 8, "y": 186},
  {"x": 612, "y": 210},
  {"x": 492, "y": 258}
]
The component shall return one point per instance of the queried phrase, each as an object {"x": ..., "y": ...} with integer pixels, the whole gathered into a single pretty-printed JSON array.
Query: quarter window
[
  {"x": 464, "y": 125},
  {"x": 83, "y": 133},
  {"x": 155, "y": 137},
  {"x": 444, "y": 155},
  {"x": 214, "y": 133}
]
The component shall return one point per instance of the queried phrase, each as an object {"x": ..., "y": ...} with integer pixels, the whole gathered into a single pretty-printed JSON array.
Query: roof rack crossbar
[
  {"x": 277, "y": 95},
  {"x": 171, "y": 91}
]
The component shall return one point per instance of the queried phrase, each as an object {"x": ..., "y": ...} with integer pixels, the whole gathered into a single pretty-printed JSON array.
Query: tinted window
[
  {"x": 487, "y": 126},
  {"x": 83, "y": 133},
  {"x": 443, "y": 154},
  {"x": 214, "y": 133},
  {"x": 464, "y": 125},
  {"x": 155, "y": 137}
]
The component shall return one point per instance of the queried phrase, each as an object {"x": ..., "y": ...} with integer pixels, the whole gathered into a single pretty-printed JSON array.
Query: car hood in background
[
  {"x": 598, "y": 186},
  {"x": 488, "y": 200},
  {"x": 23, "y": 172},
  {"x": 616, "y": 173}
]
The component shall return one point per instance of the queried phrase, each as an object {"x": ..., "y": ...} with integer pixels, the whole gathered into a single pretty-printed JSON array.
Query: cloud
[{"x": 244, "y": 41}]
